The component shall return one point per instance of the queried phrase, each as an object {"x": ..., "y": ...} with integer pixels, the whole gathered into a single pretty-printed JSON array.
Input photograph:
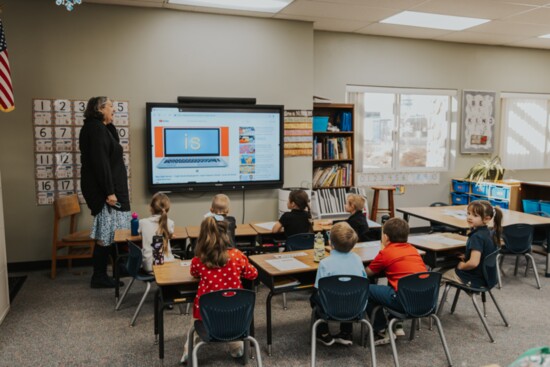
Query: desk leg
[
  {"x": 156, "y": 315},
  {"x": 406, "y": 217},
  {"x": 547, "y": 273},
  {"x": 268, "y": 319},
  {"x": 161, "y": 332}
]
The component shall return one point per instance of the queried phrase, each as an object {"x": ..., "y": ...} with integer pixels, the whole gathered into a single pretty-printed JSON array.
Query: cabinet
[
  {"x": 333, "y": 151},
  {"x": 505, "y": 195}
]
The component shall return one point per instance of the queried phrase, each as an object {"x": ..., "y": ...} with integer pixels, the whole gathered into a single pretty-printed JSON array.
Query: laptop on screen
[{"x": 191, "y": 148}]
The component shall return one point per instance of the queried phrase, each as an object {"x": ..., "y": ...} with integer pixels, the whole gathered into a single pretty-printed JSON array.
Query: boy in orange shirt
[{"x": 395, "y": 260}]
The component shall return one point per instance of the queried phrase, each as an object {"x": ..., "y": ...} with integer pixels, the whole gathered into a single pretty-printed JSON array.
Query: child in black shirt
[
  {"x": 357, "y": 220},
  {"x": 298, "y": 220}
]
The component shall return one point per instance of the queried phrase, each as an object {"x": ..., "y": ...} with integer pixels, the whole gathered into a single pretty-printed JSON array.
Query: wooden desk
[
  {"x": 270, "y": 275},
  {"x": 436, "y": 249},
  {"x": 242, "y": 230},
  {"x": 122, "y": 235},
  {"x": 319, "y": 225},
  {"x": 441, "y": 215},
  {"x": 175, "y": 285}
]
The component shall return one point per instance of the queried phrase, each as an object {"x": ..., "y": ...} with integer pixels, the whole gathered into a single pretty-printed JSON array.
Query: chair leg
[
  {"x": 195, "y": 350},
  {"x": 190, "y": 346},
  {"x": 371, "y": 339},
  {"x": 498, "y": 309},
  {"x": 392, "y": 341},
  {"x": 499, "y": 266},
  {"x": 484, "y": 303},
  {"x": 188, "y": 308},
  {"x": 257, "y": 349},
  {"x": 117, "y": 307},
  {"x": 141, "y": 304},
  {"x": 414, "y": 326},
  {"x": 314, "y": 340},
  {"x": 443, "y": 299},
  {"x": 473, "y": 296},
  {"x": 455, "y": 300},
  {"x": 442, "y": 336},
  {"x": 284, "y": 301},
  {"x": 530, "y": 257},
  {"x": 516, "y": 266}
]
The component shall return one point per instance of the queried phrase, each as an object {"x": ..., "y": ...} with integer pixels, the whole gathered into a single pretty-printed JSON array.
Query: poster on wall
[
  {"x": 298, "y": 139},
  {"x": 478, "y": 122},
  {"x": 56, "y": 128}
]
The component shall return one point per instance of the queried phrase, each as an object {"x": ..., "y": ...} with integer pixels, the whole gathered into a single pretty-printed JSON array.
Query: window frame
[{"x": 452, "y": 95}]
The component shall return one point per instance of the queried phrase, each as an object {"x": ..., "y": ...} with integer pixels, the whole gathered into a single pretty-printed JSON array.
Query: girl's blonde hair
[
  {"x": 160, "y": 204},
  {"x": 357, "y": 201},
  {"x": 213, "y": 243},
  {"x": 220, "y": 204}
]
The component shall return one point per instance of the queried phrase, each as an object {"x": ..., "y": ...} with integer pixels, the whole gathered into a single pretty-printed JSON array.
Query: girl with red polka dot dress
[{"x": 219, "y": 267}]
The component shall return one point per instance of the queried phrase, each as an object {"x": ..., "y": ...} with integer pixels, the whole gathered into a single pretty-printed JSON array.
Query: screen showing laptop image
[{"x": 191, "y": 148}]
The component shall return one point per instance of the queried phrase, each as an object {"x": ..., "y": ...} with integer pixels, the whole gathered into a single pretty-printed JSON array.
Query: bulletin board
[
  {"x": 478, "y": 122},
  {"x": 298, "y": 139},
  {"x": 56, "y": 128}
]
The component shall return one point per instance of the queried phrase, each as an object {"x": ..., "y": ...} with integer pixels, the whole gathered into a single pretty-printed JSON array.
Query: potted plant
[{"x": 486, "y": 170}]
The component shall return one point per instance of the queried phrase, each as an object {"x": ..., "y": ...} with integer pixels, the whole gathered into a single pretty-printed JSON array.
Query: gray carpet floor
[{"x": 63, "y": 322}]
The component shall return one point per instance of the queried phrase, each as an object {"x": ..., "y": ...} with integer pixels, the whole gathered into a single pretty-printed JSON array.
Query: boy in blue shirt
[{"x": 340, "y": 262}]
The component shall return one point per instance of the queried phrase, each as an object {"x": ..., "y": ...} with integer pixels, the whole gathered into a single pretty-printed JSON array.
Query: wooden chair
[{"x": 78, "y": 245}]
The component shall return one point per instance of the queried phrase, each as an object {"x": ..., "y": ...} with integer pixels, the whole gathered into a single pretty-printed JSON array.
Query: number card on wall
[{"x": 56, "y": 128}]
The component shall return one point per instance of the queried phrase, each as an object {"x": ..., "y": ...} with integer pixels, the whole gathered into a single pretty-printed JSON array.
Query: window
[
  {"x": 403, "y": 129},
  {"x": 525, "y": 135}
]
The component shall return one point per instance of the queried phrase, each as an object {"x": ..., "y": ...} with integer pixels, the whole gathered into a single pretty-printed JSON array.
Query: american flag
[{"x": 6, "y": 91}]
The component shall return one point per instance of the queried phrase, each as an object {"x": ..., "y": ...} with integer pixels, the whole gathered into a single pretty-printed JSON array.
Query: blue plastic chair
[
  {"x": 418, "y": 295},
  {"x": 226, "y": 317},
  {"x": 133, "y": 266},
  {"x": 300, "y": 241},
  {"x": 342, "y": 298},
  {"x": 490, "y": 275},
  {"x": 297, "y": 242},
  {"x": 517, "y": 241}
]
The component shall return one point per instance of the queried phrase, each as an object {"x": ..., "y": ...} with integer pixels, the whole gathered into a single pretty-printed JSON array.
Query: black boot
[{"x": 100, "y": 279}]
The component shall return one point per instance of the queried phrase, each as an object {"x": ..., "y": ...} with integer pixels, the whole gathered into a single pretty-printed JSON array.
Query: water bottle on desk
[
  {"x": 134, "y": 224},
  {"x": 318, "y": 247}
]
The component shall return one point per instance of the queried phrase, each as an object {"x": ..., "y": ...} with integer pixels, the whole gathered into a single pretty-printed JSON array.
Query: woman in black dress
[{"x": 104, "y": 183}]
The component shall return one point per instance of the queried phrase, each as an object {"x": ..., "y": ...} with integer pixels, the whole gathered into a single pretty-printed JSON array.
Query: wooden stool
[{"x": 375, "y": 208}]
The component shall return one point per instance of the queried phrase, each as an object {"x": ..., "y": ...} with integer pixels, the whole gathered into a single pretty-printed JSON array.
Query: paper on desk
[
  {"x": 265, "y": 225},
  {"x": 287, "y": 263},
  {"x": 441, "y": 240},
  {"x": 460, "y": 214},
  {"x": 367, "y": 244},
  {"x": 290, "y": 254}
]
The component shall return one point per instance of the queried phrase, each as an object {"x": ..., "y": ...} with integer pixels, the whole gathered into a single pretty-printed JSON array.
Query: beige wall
[
  {"x": 141, "y": 55},
  {"x": 342, "y": 59},
  {"x": 155, "y": 55}
]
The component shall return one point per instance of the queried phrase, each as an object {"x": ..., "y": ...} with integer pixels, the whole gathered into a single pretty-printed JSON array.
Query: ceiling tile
[
  {"x": 327, "y": 24},
  {"x": 512, "y": 28},
  {"x": 536, "y": 16},
  {"x": 394, "y": 4},
  {"x": 533, "y": 43},
  {"x": 401, "y": 31},
  {"x": 523, "y": 2},
  {"x": 333, "y": 10},
  {"x": 479, "y": 38},
  {"x": 485, "y": 9}
]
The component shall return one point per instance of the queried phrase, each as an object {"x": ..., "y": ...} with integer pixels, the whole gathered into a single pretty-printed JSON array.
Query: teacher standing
[{"x": 104, "y": 183}]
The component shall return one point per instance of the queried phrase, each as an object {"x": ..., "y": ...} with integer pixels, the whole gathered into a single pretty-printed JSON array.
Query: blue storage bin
[
  {"x": 480, "y": 189},
  {"x": 477, "y": 197},
  {"x": 502, "y": 204},
  {"x": 459, "y": 198},
  {"x": 320, "y": 124},
  {"x": 530, "y": 206},
  {"x": 545, "y": 207},
  {"x": 500, "y": 192},
  {"x": 461, "y": 186}
]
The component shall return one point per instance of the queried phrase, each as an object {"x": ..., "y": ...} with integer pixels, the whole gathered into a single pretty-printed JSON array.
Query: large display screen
[{"x": 195, "y": 147}]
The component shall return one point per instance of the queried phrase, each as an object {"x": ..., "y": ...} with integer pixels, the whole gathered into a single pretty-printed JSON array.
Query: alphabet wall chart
[{"x": 56, "y": 127}]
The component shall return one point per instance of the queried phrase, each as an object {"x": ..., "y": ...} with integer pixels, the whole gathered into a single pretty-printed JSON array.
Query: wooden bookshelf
[{"x": 333, "y": 151}]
